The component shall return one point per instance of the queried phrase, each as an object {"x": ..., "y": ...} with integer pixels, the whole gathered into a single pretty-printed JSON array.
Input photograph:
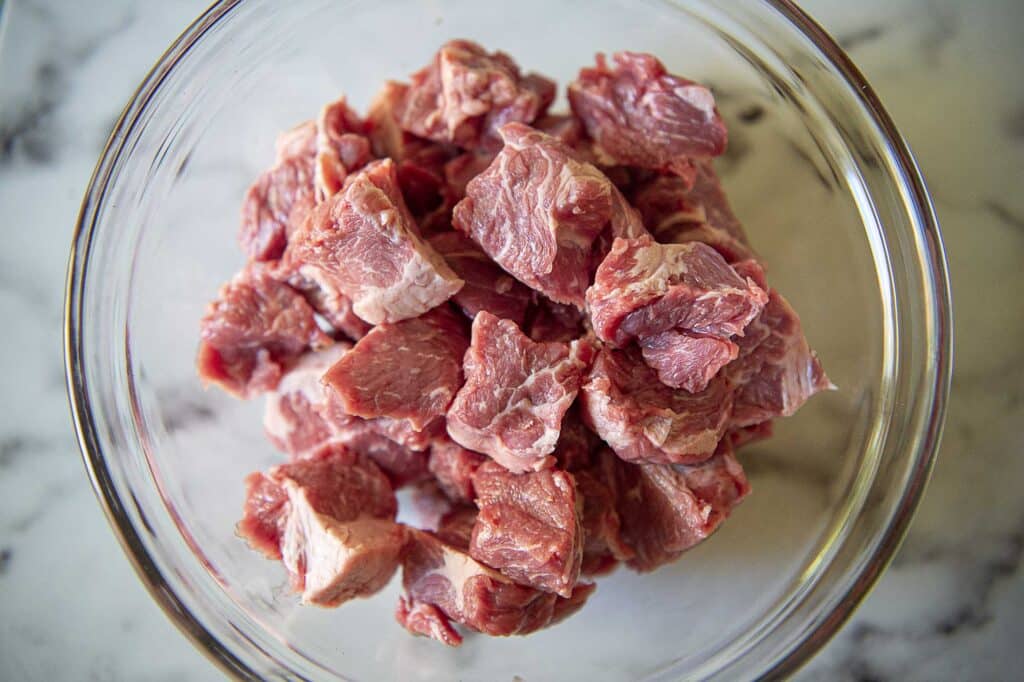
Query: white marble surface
[{"x": 949, "y": 608}]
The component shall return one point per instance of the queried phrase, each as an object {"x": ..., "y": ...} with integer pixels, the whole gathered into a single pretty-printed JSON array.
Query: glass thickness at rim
[{"x": 936, "y": 374}]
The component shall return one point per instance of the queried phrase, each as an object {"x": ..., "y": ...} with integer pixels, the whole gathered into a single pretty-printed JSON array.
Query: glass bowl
[{"x": 831, "y": 198}]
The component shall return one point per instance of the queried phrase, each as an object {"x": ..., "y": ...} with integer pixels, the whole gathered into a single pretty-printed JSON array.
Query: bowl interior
[{"x": 169, "y": 219}]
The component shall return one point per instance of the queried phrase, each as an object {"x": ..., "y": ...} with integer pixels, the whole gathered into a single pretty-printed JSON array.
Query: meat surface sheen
[
  {"x": 408, "y": 370},
  {"x": 516, "y": 393},
  {"x": 469, "y": 593},
  {"x": 364, "y": 244},
  {"x": 254, "y": 329},
  {"x": 643, "y": 420},
  {"x": 638, "y": 114},
  {"x": 644, "y": 288},
  {"x": 776, "y": 371},
  {"x": 487, "y": 287},
  {"x": 466, "y": 94},
  {"x": 529, "y": 527},
  {"x": 537, "y": 211}
]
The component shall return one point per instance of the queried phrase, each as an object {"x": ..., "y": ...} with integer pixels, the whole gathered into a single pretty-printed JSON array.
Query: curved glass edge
[
  {"x": 939, "y": 370},
  {"x": 86, "y": 431},
  {"x": 190, "y": 625}
]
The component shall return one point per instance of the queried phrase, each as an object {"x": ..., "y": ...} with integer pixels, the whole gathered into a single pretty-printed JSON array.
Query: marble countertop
[{"x": 950, "y": 607}]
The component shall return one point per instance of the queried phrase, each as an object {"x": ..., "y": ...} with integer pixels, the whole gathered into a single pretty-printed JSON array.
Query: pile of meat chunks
[{"x": 551, "y": 326}]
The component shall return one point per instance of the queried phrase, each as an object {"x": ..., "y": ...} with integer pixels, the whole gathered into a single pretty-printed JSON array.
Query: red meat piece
[
  {"x": 665, "y": 510},
  {"x": 516, "y": 393},
  {"x": 255, "y": 328},
  {"x": 471, "y": 594},
  {"x": 528, "y": 527},
  {"x": 293, "y": 415},
  {"x": 687, "y": 360},
  {"x": 777, "y": 371},
  {"x": 363, "y": 244},
  {"x": 644, "y": 420},
  {"x": 408, "y": 370},
  {"x": 453, "y": 467},
  {"x": 644, "y": 288},
  {"x": 332, "y": 517},
  {"x": 465, "y": 94},
  {"x": 550, "y": 321},
  {"x": 537, "y": 210},
  {"x": 641, "y": 115},
  {"x": 487, "y": 287}
]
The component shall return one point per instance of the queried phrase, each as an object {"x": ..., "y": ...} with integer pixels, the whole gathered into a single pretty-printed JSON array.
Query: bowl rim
[{"x": 86, "y": 430}]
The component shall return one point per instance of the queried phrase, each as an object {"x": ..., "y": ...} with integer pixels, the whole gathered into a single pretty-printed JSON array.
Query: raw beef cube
[
  {"x": 254, "y": 329},
  {"x": 468, "y": 592},
  {"x": 466, "y": 94},
  {"x": 453, "y": 467},
  {"x": 463, "y": 168},
  {"x": 537, "y": 210},
  {"x": 550, "y": 321},
  {"x": 363, "y": 244},
  {"x": 577, "y": 444},
  {"x": 421, "y": 164},
  {"x": 313, "y": 161},
  {"x": 644, "y": 288},
  {"x": 776, "y": 371},
  {"x": 293, "y": 413},
  {"x": 456, "y": 527},
  {"x": 516, "y": 393},
  {"x": 603, "y": 546},
  {"x": 528, "y": 527},
  {"x": 341, "y": 148},
  {"x": 744, "y": 435},
  {"x": 644, "y": 420},
  {"x": 665, "y": 510},
  {"x": 487, "y": 287},
  {"x": 263, "y": 518},
  {"x": 404, "y": 432},
  {"x": 333, "y": 517},
  {"x": 675, "y": 212},
  {"x": 408, "y": 370},
  {"x": 383, "y": 119},
  {"x": 281, "y": 198},
  {"x": 401, "y": 465},
  {"x": 730, "y": 248},
  {"x": 333, "y": 306},
  {"x": 687, "y": 360},
  {"x": 641, "y": 115},
  {"x": 566, "y": 127},
  {"x": 426, "y": 620}
]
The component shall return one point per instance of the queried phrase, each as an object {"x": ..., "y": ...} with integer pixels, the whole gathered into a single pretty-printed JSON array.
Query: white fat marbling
[{"x": 949, "y": 608}]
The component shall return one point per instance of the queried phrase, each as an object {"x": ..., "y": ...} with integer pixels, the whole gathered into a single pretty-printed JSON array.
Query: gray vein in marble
[
  {"x": 763, "y": 463},
  {"x": 6, "y": 554},
  {"x": 1013, "y": 124},
  {"x": 1003, "y": 214},
  {"x": 810, "y": 162},
  {"x": 862, "y": 36},
  {"x": 940, "y": 23},
  {"x": 12, "y": 447},
  {"x": 31, "y": 132},
  {"x": 181, "y": 409},
  {"x": 751, "y": 114}
]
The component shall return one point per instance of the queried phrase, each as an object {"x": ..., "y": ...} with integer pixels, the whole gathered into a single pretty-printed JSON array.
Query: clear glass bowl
[{"x": 831, "y": 198}]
